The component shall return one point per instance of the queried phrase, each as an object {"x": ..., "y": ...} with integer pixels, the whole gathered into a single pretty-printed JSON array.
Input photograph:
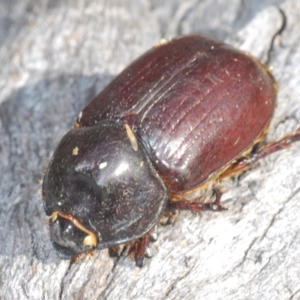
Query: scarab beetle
[{"x": 186, "y": 113}]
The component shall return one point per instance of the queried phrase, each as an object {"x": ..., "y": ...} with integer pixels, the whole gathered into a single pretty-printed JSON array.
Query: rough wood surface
[{"x": 55, "y": 56}]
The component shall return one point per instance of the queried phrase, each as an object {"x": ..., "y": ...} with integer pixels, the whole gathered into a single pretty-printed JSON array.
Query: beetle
[{"x": 186, "y": 114}]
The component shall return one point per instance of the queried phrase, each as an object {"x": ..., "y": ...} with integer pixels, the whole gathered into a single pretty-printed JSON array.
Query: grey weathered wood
[{"x": 55, "y": 56}]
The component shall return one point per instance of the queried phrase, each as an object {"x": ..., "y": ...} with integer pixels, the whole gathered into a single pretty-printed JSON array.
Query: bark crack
[
  {"x": 277, "y": 33},
  {"x": 278, "y": 212},
  {"x": 62, "y": 285},
  {"x": 294, "y": 294},
  {"x": 110, "y": 277},
  {"x": 173, "y": 285}
]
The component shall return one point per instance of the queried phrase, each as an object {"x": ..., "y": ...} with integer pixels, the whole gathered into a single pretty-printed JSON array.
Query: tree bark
[{"x": 55, "y": 57}]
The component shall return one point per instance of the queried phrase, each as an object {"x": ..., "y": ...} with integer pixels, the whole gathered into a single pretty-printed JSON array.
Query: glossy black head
[
  {"x": 100, "y": 189},
  {"x": 68, "y": 237}
]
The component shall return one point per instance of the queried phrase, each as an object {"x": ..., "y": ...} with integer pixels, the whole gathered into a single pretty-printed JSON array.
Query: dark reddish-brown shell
[{"x": 195, "y": 104}]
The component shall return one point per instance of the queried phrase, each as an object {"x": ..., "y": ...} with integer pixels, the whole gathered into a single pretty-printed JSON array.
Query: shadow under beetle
[{"x": 181, "y": 117}]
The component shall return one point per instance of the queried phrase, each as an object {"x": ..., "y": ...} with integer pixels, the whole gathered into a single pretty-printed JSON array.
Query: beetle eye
[{"x": 69, "y": 237}]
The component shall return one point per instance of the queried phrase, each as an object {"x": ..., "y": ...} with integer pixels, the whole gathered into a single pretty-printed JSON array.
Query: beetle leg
[
  {"x": 79, "y": 256},
  {"x": 141, "y": 247},
  {"x": 247, "y": 162},
  {"x": 185, "y": 204},
  {"x": 271, "y": 147},
  {"x": 167, "y": 218}
]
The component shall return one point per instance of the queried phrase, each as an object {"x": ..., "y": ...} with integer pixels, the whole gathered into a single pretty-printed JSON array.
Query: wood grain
[{"x": 55, "y": 56}]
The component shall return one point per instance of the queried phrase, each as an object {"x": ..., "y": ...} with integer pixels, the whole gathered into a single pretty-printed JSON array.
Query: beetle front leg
[
  {"x": 185, "y": 204},
  {"x": 247, "y": 162},
  {"x": 141, "y": 247},
  {"x": 78, "y": 257}
]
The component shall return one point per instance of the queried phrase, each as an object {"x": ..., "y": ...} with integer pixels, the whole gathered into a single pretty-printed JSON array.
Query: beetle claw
[
  {"x": 216, "y": 205},
  {"x": 167, "y": 218},
  {"x": 148, "y": 252},
  {"x": 153, "y": 234},
  {"x": 139, "y": 261}
]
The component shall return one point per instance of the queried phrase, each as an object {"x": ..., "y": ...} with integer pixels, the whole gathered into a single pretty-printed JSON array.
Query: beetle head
[
  {"x": 69, "y": 237},
  {"x": 100, "y": 189}
]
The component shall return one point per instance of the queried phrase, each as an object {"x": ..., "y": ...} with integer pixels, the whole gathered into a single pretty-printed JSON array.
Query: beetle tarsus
[
  {"x": 185, "y": 204},
  {"x": 216, "y": 204},
  {"x": 168, "y": 218}
]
